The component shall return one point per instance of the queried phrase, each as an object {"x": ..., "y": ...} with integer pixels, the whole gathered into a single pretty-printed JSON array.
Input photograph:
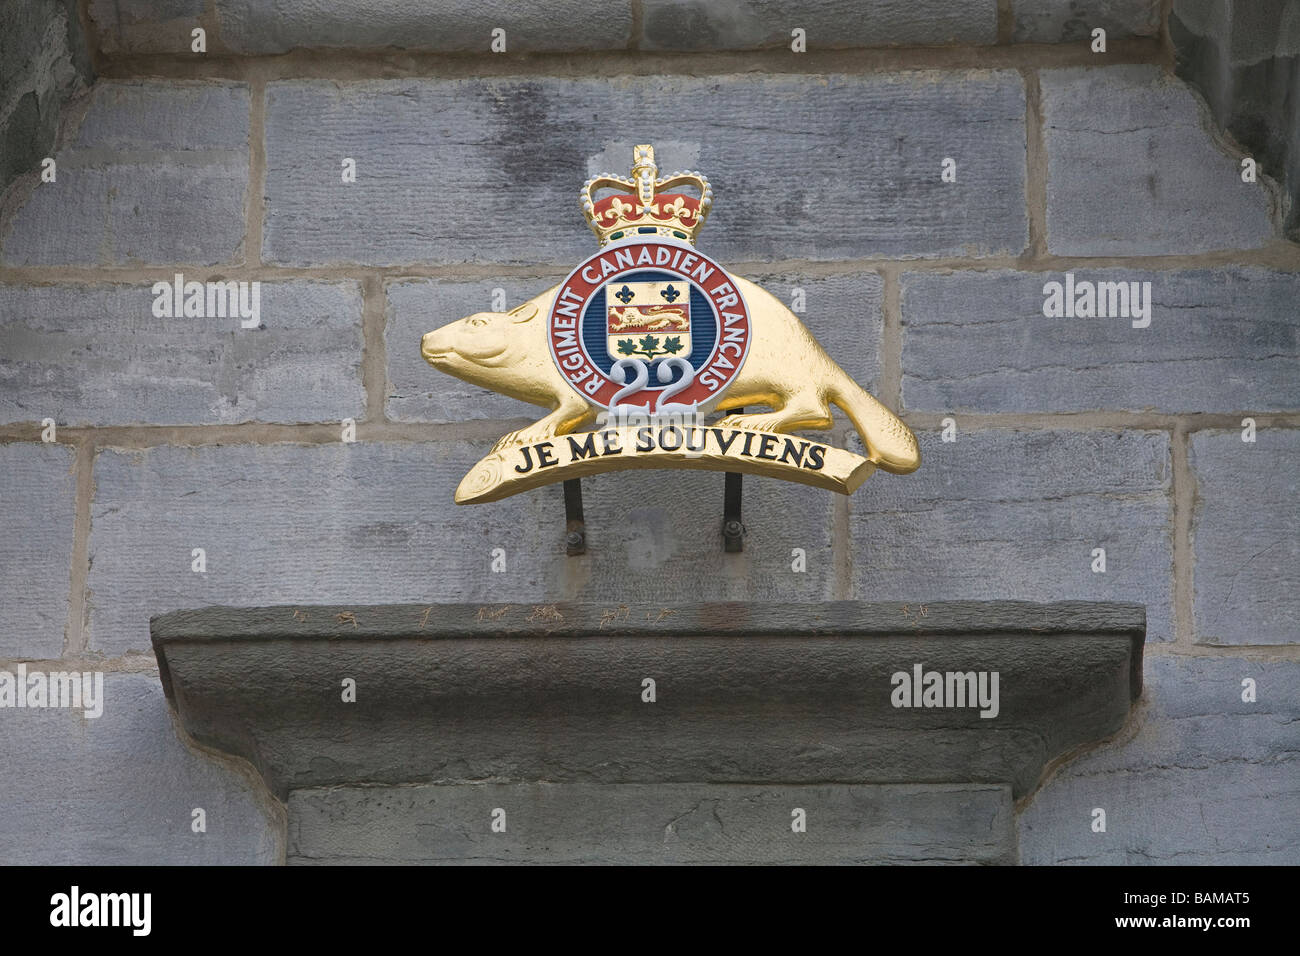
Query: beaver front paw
[
  {"x": 766, "y": 422},
  {"x": 507, "y": 442},
  {"x": 525, "y": 436}
]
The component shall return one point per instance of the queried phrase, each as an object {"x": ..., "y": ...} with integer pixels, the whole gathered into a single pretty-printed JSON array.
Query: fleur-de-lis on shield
[
  {"x": 669, "y": 293},
  {"x": 624, "y": 295}
]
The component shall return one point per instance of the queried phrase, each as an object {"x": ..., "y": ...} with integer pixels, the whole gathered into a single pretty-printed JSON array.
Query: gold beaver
[{"x": 785, "y": 370}]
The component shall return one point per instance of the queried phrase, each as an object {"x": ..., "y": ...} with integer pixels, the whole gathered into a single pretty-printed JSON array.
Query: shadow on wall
[
  {"x": 43, "y": 62},
  {"x": 1244, "y": 57}
]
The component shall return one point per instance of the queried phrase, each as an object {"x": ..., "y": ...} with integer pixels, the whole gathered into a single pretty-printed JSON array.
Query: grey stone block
[
  {"x": 488, "y": 170},
  {"x": 120, "y": 789},
  {"x": 156, "y": 174},
  {"x": 187, "y": 119},
  {"x": 97, "y": 355},
  {"x": 843, "y": 312},
  {"x": 1219, "y": 340},
  {"x": 1016, "y": 514},
  {"x": 450, "y": 26},
  {"x": 1209, "y": 779},
  {"x": 1133, "y": 170},
  {"x": 745, "y": 692},
  {"x": 652, "y": 823},
  {"x": 147, "y": 26},
  {"x": 656, "y": 536},
  {"x": 1067, "y": 21},
  {"x": 38, "y": 498},
  {"x": 287, "y": 523},
  {"x": 750, "y": 24},
  {"x": 368, "y": 521},
  {"x": 1246, "y": 537}
]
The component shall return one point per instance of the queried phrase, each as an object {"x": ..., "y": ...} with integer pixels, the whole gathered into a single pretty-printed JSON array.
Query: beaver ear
[{"x": 523, "y": 313}]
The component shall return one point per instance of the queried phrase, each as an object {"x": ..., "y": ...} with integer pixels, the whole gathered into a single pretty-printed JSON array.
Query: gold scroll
[{"x": 518, "y": 468}]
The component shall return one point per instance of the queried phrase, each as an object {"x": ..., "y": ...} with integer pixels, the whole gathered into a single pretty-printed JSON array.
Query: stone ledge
[
  {"x": 669, "y": 823},
  {"x": 746, "y": 693}
]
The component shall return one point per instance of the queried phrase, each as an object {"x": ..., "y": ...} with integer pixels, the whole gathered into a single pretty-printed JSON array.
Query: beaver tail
[{"x": 890, "y": 443}]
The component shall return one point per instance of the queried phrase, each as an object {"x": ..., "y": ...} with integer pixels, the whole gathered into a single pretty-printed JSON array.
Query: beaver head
[{"x": 481, "y": 348}]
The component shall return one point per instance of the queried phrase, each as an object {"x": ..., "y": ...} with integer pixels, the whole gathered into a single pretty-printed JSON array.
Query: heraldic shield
[{"x": 648, "y": 320}]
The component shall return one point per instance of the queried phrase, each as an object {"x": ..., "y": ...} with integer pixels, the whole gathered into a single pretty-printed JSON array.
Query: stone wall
[{"x": 1043, "y": 438}]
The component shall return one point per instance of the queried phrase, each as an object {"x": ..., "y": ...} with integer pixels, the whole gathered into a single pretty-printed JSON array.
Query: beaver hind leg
[{"x": 804, "y": 410}]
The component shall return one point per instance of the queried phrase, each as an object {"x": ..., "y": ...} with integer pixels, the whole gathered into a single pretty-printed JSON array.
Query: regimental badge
[
  {"x": 668, "y": 334},
  {"x": 643, "y": 344}
]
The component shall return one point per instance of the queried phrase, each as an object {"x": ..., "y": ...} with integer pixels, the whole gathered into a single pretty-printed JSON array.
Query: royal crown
[{"x": 646, "y": 204}]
